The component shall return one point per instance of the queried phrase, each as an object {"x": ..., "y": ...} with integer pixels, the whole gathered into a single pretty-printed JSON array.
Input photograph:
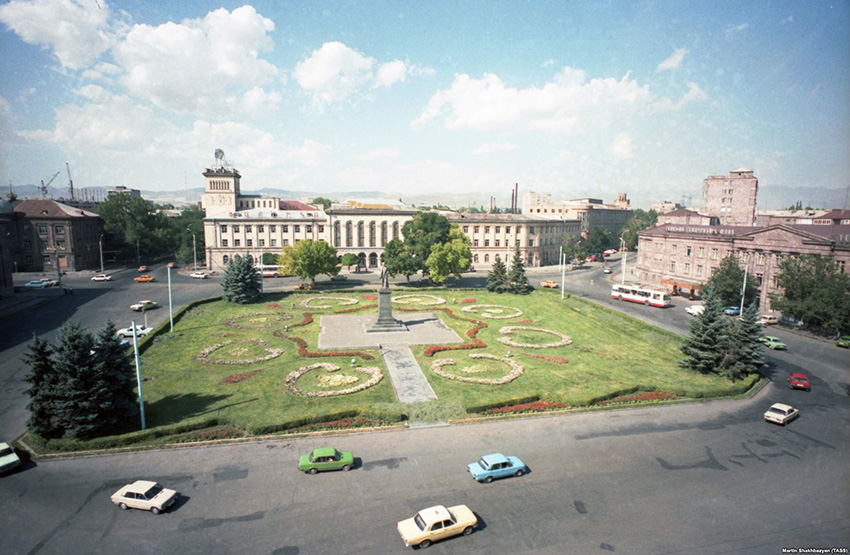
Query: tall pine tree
[
  {"x": 702, "y": 350},
  {"x": 241, "y": 283},
  {"x": 43, "y": 390},
  {"x": 76, "y": 407},
  {"x": 742, "y": 350},
  {"x": 517, "y": 280},
  {"x": 497, "y": 278},
  {"x": 116, "y": 401}
]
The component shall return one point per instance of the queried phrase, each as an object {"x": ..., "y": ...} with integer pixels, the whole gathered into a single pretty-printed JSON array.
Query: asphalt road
[{"x": 698, "y": 478}]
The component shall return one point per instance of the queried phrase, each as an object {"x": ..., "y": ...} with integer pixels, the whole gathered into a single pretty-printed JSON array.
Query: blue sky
[{"x": 573, "y": 98}]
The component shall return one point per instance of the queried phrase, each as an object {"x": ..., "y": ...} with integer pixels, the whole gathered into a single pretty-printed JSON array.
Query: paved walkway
[{"x": 409, "y": 382}]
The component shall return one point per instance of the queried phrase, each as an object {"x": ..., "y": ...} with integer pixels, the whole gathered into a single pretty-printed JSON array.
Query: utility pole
[
  {"x": 138, "y": 373},
  {"x": 100, "y": 245}
]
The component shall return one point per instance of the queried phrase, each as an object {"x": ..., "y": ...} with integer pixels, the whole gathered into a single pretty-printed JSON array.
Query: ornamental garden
[{"x": 230, "y": 370}]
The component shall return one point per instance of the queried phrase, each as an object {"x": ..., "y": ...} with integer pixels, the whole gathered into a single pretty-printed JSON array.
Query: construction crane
[
  {"x": 70, "y": 181},
  {"x": 44, "y": 187}
]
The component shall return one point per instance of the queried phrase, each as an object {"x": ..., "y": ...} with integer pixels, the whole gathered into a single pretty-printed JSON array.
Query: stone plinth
[{"x": 385, "y": 322}]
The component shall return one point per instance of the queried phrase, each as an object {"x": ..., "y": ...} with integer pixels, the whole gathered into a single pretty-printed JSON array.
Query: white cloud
[
  {"x": 257, "y": 102},
  {"x": 490, "y": 148},
  {"x": 199, "y": 65},
  {"x": 101, "y": 72},
  {"x": 335, "y": 72},
  {"x": 310, "y": 153},
  {"x": 547, "y": 63},
  {"x": 673, "y": 62},
  {"x": 731, "y": 30},
  {"x": 694, "y": 94},
  {"x": 621, "y": 146},
  {"x": 568, "y": 104},
  {"x": 75, "y": 30},
  {"x": 380, "y": 154}
]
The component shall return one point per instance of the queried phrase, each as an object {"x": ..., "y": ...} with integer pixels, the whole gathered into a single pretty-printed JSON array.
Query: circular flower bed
[
  {"x": 375, "y": 376},
  {"x": 516, "y": 370},
  {"x": 423, "y": 300},
  {"x": 308, "y": 302},
  {"x": 204, "y": 356},
  {"x": 565, "y": 340},
  {"x": 257, "y": 320},
  {"x": 494, "y": 311}
]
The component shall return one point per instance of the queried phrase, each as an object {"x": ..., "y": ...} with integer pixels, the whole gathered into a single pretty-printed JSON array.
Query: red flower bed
[
  {"x": 308, "y": 319},
  {"x": 639, "y": 397},
  {"x": 475, "y": 344},
  {"x": 535, "y": 406},
  {"x": 355, "y": 309},
  {"x": 467, "y": 301},
  {"x": 526, "y": 322},
  {"x": 558, "y": 360},
  {"x": 343, "y": 423},
  {"x": 236, "y": 378},
  {"x": 302, "y": 348},
  {"x": 369, "y": 297},
  {"x": 274, "y": 305}
]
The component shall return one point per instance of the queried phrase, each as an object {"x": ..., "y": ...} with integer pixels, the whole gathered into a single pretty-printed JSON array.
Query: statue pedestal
[{"x": 386, "y": 322}]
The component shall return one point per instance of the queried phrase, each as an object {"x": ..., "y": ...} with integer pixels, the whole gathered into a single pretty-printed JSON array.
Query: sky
[{"x": 570, "y": 98}]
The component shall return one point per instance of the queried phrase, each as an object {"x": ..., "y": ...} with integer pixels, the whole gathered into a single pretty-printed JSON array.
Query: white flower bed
[
  {"x": 516, "y": 370},
  {"x": 423, "y": 300},
  {"x": 494, "y": 311},
  {"x": 272, "y": 319},
  {"x": 306, "y": 303},
  {"x": 375, "y": 376},
  {"x": 203, "y": 356},
  {"x": 565, "y": 339}
]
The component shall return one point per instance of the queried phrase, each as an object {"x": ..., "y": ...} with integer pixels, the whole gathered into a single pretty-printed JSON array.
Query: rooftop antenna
[{"x": 70, "y": 181}]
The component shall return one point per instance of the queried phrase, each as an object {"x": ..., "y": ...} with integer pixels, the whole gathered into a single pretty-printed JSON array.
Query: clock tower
[{"x": 221, "y": 187}]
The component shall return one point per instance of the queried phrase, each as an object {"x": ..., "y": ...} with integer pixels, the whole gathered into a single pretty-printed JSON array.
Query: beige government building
[{"x": 245, "y": 224}]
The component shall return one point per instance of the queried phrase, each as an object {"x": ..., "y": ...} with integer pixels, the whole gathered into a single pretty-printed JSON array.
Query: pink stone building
[{"x": 731, "y": 198}]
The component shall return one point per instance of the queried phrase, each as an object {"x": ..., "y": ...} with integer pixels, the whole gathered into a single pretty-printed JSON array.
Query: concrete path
[{"x": 407, "y": 378}]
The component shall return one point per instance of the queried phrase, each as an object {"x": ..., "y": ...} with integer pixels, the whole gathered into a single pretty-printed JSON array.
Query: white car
[
  {"x": 102, "y": 277},
  {"x": 198, "y": 275},
  {"x": 768, "y": 320},
  {"x": 695, "y": 310},
  {"x": 127, "y": 332},
  {"x": 143, "y": 305},
  {"x": 145, "y": 495},
  {"x": 781, "y": 414},
  {"x": 9, "y": 460},
  {"x": 40, "y": 283}
]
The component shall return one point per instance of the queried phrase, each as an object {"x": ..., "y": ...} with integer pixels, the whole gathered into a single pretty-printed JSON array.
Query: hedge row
[
  {"x": 125, "y": 440},
  {"x": 474, "y": 409},
  {"x": 378, "y": 414}
]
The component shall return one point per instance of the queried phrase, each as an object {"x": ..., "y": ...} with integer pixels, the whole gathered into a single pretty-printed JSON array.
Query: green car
[
  {"x": 772, "y": 342},
  {"x": 843, "y": 341},
  {"x": 326, "y": 458}
]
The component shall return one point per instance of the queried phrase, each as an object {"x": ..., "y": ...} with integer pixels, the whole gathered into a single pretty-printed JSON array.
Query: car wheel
[
  {"x": 519, "y": 473},
  {"x": 346, "y": 468},
  {"x": 313, "y": 470},
  {"x": 620, "y": 298},
  {"x": 123, "y": 506},
  {"x": 467, "y": 531},
  {"x": 488, "y": 479},
  {"x": 424, "y": 543},
  {"x": 646, "y": 303},
  {"x": 155, "y": 510}
]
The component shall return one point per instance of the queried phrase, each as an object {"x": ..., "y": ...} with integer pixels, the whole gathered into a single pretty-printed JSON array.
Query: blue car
[
  {"x": 496, "y": 465},
  {"x": 732, "y": 311}
]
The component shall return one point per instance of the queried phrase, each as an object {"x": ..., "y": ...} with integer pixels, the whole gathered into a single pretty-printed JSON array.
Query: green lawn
[{"x": 607, "y": 353}]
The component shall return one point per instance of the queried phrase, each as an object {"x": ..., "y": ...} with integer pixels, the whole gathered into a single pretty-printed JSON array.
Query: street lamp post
[
  {"x": 100, "y": 245},
  {"x": 194, "y": 248}
]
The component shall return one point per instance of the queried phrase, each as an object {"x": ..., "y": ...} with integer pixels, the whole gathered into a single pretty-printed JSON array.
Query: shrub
[{"x": 505, "y": 402}]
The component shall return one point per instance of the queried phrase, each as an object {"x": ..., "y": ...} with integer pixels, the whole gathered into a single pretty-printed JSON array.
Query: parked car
[
  {"x": 303, "y": 287},
  {"x": 437, "y": 523},
  {"x": 798, "y": 380},
  {"x": 338, "y": 278},
  {"x": 549, "y": 283},
  {"x": 326, "y": 458},
  {"x": 781, "y": 414},
  {"x": 143, "y": 305},
  {"x": 695, "y": 310},
  {"x": 40, "y": 283},
  {"x": 198, "y": 275},
  {"x": 102, "y": 277},
  {"x": 843, "y": 341},
  {"x": 772, "y": 342},
  {"x": 591, "y": 258},
  {"x": 144, "y": 278},
  {"x": 490, "y": 467},
  {"x": 606, "y": 270},
  {"x": 145, "y": 495},
  {"x": 768, "y": 320},
  {"x": 127, "y": 332},
  {"x": 143, "y": 269},
  {"x": 732, "y": 311},
  {"x": 9, "y": 460}
]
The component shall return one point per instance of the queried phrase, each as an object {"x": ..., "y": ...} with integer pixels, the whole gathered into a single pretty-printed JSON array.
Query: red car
[{"x": 799, "y": 381}]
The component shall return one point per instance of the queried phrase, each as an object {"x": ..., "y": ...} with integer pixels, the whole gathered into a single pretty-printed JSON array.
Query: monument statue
[{"x": 385, "y": 277}]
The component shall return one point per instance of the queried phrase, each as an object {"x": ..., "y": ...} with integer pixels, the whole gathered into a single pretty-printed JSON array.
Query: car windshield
[
  {"x": 154, "y": 491},
  {"x": 419, "y": 522}
]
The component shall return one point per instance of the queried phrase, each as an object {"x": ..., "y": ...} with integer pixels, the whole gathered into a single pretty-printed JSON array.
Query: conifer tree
[
  {"x": 497, "y": 278},
  {"x": 76, "y": 406},
  {"x": 742, "y": 350},
  {"x": 702, "y": 349},
  {"x": 116, "y": 401},
  {"x": 517, "y": 281},
  {"x": 42, "y": 392},
  {"x": 241, "y": 283}
]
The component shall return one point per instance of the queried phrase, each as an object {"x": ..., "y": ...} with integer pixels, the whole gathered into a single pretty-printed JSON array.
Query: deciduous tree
[
  {"x": 349, "y": 259},
  {"x": 312, "y": 258},
  {"x": 452, "y": 257},
  {"x": 727, "y": 280},
  {"x": 815, "y": 290},
  {"x": 399, "y": 260},
  {"x": 422, "y": 232}
]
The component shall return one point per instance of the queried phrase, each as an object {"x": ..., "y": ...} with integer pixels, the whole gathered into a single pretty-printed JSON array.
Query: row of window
[
  {"x": 260, "y": 242},
  {"x": 272, "y": 228},
  {"x": 475, "y": 229},
  {"x": 57, "y": 229}
]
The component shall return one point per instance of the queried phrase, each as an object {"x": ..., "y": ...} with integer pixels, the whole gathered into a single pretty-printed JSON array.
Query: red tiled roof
[
  {"x": 46, "y": 208},
  {"x": 295, "y": 205}
]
